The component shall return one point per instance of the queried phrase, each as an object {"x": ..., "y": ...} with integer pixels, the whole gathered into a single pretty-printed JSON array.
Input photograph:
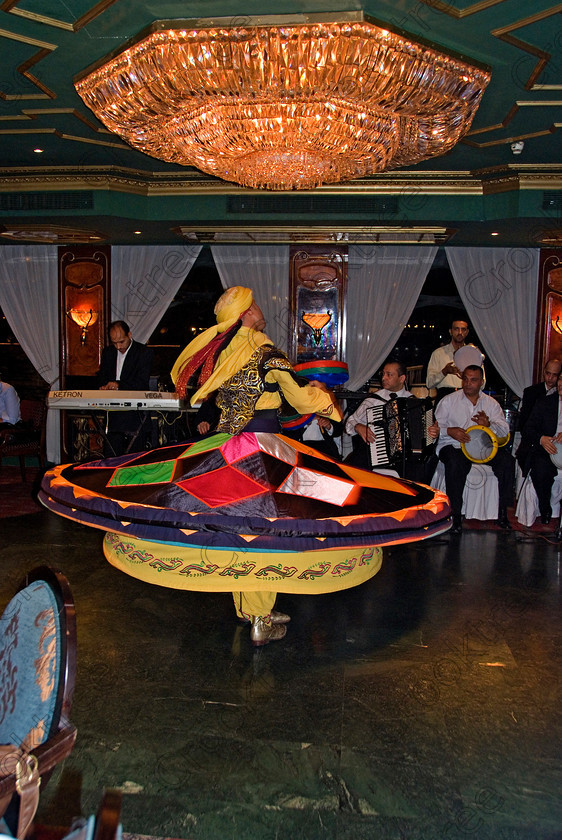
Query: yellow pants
[{"x": 250, "y": 604}]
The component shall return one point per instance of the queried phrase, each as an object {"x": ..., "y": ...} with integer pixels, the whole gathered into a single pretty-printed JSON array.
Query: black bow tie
[{"x": 392, "y": 396}]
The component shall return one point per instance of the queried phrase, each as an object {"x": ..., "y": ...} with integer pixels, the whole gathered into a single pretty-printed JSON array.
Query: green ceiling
[{"x": 88, "y": 180}]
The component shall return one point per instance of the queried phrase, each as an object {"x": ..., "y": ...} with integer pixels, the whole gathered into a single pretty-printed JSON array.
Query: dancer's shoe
[
  {"x": 262, "y": 633},
  {"x": 276, "y": 617},
  {"x": 279, "y": 617}
]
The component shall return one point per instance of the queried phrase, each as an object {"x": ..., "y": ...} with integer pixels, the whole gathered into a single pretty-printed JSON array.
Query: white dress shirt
[
  {"x": 457, "y": 410},
  {"x": 559, "y": 426},
  {"x": 314, "y": 432},
  {"x": 9, "y": 404},
  {"x": 120, "y": 362},
  {"x": 439, "y": 359},
  {"x": 360, "y": 415}
]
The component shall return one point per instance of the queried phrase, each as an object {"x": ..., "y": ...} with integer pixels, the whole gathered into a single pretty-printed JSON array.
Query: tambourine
[
  {"x": 556, "y": 458},
  {"x": 483, "y": 444},
  {"x": 467, "y": 355}
]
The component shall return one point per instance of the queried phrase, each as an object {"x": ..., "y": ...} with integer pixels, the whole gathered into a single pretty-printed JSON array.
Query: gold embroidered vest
[{"x": 237, "y": 397}]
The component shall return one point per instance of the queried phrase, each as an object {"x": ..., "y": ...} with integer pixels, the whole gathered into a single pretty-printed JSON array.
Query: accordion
[{"x": 401, "y": 430}]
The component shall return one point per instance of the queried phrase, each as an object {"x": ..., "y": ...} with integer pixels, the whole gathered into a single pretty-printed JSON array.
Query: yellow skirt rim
[{"x": 220, "y": 570}]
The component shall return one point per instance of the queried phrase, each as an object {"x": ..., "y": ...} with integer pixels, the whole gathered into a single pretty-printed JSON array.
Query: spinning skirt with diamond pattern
[{"x": 254, "y": 511}]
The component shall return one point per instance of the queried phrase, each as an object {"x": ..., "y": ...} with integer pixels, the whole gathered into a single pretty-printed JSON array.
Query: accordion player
[
  {"x": 392, "y": 435},
  {"x": 400, "y": 430}
]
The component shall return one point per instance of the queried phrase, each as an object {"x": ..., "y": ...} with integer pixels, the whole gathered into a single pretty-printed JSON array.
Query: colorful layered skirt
[{"x": 254, "y": 511}]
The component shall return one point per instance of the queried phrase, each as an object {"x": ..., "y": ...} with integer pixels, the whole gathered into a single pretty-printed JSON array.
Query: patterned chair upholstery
[
  {"x": 28, "y": 437},
  {"x": 37, "y": 672}
]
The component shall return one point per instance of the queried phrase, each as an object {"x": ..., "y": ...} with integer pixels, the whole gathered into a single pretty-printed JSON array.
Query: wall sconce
[
  {"x": 317, "y": 321},
  {"x": 84, "y": 318},
  {"x": 556, "y": 325}
]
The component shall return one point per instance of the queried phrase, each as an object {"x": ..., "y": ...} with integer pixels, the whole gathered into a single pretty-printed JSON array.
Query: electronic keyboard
[{"x": 116, "y": 400}]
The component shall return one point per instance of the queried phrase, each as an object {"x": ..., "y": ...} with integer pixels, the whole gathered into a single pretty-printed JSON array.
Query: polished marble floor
[{"x": 423, "y": 704}]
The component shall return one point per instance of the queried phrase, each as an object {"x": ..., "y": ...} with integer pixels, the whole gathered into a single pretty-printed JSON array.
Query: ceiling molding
[
  {"x": 501, "y": 179},
  {"x": 458, "y": 14},
  {"x": 44, "y": 50},
  {"x": 50, "y": 234},
  {"x": 507, "y": 141},
  {"x": 35, "y": 113},
  {"x": 543, "y": 56},
  {"x": 191, "y": 181},
  {"x": 550, "y": 103},
  {"x": 350, "y": 234},
  {"x": 12, "y": 7},
  {"x": 504, "y": 34}
]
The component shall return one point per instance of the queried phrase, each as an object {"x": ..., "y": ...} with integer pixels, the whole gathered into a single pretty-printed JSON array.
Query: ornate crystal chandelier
[{"x": 281, "y": 103}]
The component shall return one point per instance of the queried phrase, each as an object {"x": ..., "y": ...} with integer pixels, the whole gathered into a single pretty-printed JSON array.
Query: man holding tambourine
[{"x": 471, "y": 428}]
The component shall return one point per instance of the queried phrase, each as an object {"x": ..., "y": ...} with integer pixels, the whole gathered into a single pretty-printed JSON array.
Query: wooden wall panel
[
  {"x": 549, "y": 310},
  {"x": 318, "y": 283},
  {"x": 84, "y": 308}
]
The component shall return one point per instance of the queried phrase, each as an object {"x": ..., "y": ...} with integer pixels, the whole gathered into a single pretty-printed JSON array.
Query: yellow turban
[
  {"x": 231, "y": 305},
  {"x": 228, "y": 309}
]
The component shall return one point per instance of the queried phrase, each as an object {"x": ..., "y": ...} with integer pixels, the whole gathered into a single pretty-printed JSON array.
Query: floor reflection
[{"x": 422, "y": 704}]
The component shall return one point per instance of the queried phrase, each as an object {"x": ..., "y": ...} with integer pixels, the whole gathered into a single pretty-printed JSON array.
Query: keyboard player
[
  {"x": 125, "y": 366},
  {"x": 393, "y": 387}
]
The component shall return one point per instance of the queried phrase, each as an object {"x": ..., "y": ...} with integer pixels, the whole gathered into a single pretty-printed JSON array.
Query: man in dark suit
[
  {"x": 125, "y": 366},
  {"x": 531, "y": 394},
  {"x": 542, "y": 431}
]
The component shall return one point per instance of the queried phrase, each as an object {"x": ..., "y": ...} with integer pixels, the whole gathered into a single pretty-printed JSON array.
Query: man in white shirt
[
  {"x": 9, "y": 405},
  {"x": 442, "y": 372},
  {"x": 393, "y": 387},
  {"x": 457, "y": 412}
]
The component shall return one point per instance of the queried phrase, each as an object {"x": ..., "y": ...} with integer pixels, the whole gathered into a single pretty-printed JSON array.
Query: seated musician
[
  {"x": 125, "y": 365},
  {"x": 9, "y": 411},
  {"x": 9, "y": 405},
  {"x": 319, "y": 434},
  {"x": 454, "y": 414},
  {"x": 393, "y": 387},
  {"x": 541, "y": 432},
  {"x": 531, "y": 395}
]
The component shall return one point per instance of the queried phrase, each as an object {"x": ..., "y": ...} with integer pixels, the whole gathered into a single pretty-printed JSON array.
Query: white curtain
[
  {"x": 498, "y": 287},
  {"x": 144, "y": 280},
  {"x": 384, "y": 282},
  {"x": 265, "y": 270},
  {"x": 29, "y": 300}
]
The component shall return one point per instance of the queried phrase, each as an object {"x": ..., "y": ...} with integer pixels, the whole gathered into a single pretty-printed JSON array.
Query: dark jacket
[
  {"x": 530, "y": 397},
  {"x": 135, "y": 375},
  {"x": 543, "y": 420}
]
